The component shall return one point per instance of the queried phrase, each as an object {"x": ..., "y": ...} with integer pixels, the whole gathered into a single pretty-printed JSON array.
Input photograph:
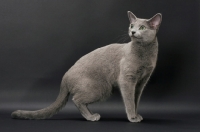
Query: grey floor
[{"x": 156, "y": 119}]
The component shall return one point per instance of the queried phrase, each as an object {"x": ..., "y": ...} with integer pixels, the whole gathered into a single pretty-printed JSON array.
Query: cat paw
[
  {"x": 16, "y": 114},
  {"x": 138, "y": 118},
  {"x": 94, "y": 117}
]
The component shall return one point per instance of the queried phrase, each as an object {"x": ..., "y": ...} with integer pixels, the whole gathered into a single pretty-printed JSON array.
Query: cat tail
[{"x": 48, "y": 111}]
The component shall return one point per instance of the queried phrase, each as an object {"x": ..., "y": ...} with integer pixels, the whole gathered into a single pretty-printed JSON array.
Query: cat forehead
[{"x": 140, "y": 21}]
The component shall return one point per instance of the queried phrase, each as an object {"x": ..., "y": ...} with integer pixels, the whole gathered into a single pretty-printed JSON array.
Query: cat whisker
[
  {"x": 126, "y": 38},
  {"x": 121, "y": 30},
  {"x": 123, "y": 38},
  {"x": 120, "y": 36}
]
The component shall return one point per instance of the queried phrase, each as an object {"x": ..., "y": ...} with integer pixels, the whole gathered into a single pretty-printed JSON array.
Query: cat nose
[{"x": 133, "y": 32}]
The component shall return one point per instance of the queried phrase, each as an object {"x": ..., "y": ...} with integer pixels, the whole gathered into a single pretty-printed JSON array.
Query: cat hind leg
[
  {"x": 86, "y": 113},
  {"x": 87, "y": 91}
]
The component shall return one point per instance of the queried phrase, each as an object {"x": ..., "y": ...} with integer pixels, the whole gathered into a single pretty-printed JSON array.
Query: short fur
[{"x": 91, "y": 79}]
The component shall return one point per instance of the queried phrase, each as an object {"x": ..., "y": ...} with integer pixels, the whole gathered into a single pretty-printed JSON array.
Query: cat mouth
[{"x": 136, "y": 37}]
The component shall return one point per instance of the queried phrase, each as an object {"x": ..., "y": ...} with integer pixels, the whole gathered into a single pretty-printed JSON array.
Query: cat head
[{"x": 143, "y": 30}]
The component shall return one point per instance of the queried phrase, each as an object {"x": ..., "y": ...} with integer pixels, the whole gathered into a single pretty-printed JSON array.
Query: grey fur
[{"x": 91, "y": 79}]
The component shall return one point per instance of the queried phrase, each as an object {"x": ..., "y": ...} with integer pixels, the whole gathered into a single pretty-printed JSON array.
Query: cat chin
[{"x": 136, "y": 38}]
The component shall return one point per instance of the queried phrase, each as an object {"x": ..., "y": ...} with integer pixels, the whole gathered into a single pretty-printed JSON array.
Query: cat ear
[
  {"x": 155, "y": 21},
  {"x": 132, "y": 17}
]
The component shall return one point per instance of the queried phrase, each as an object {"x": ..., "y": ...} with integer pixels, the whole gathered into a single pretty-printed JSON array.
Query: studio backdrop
[{"x": 41, "y": 39}]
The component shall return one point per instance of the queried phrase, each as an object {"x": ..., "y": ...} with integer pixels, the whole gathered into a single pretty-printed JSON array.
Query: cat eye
[
  {"x": 132, "y": 25},
  {"x": 142, "y": 27}
]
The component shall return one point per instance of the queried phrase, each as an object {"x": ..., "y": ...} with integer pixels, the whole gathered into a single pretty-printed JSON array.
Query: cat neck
[
  {"x": 143, "y": 50},
  {"x": 139, "y": 44}
]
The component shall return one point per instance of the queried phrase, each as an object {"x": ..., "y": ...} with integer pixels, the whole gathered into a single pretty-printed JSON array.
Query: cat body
[{"x": 92, "y": 78}]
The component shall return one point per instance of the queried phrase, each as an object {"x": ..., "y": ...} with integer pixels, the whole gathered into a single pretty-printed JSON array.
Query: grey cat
[{"x": 91, "y": 79}]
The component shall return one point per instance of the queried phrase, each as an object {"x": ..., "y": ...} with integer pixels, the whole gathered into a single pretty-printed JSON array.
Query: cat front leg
[
  {"x": 127, "y": 87},
  {"x": 138, "y": 92},
  {"x": 139, "y": 89}
]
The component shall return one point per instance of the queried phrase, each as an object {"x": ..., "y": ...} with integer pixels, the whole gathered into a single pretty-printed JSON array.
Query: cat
[{"x": 127, "y": 66}]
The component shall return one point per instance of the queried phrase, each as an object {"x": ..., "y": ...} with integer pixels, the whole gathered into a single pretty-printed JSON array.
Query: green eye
[
  {"x": 132, "y": 26},
  {"x": 142, "y": 27}
]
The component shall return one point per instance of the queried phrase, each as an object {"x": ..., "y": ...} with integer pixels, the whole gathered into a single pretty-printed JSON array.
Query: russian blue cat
[{"x": 127, "y": 66}]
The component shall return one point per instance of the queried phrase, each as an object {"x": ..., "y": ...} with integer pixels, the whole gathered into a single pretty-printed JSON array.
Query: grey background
[{"x": 41, "y": 39}]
